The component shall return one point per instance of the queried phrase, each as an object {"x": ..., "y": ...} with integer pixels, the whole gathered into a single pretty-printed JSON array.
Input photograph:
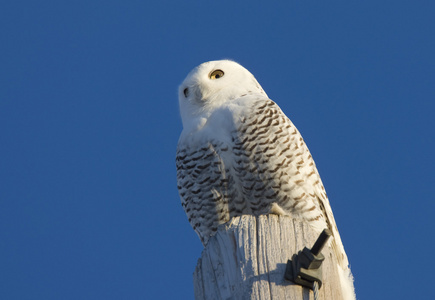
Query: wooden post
[{"x": 247, "y": 258}]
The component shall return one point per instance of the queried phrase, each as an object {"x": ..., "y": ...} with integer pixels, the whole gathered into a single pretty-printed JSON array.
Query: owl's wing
[
  {"x": 275, "y": 166},
  {"x": 205, "y": 186}
]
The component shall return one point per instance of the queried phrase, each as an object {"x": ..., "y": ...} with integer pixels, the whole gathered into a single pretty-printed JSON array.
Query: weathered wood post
[{"x": 247, "y": 258}]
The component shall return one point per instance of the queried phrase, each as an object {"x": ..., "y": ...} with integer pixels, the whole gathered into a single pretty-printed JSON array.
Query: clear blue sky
[{"x": 89, "y": 125}]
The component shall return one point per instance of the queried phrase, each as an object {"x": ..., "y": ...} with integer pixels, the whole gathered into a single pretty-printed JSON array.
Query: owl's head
[{"x": 212, "y": 84}]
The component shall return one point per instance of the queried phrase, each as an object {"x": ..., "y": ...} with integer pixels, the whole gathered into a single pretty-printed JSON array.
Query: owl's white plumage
[{"x": 239, "y": 154}]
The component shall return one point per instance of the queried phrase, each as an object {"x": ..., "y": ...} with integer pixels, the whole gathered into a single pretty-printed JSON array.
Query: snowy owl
[{"x": 239, "y": 154}]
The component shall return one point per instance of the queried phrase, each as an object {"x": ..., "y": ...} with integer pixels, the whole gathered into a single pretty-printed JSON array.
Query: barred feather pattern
[{"x": 267, "y": 168}]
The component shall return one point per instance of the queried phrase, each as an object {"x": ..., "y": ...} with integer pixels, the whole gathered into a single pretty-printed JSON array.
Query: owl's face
[{"x": 212, "y": 84}]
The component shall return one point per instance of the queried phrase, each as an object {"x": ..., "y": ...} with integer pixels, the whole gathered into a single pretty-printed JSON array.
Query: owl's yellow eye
[{"x": 216, "y": 74}]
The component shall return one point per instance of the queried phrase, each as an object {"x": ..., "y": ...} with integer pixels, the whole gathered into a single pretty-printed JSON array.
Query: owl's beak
[{"x": 198, "y": 95}]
